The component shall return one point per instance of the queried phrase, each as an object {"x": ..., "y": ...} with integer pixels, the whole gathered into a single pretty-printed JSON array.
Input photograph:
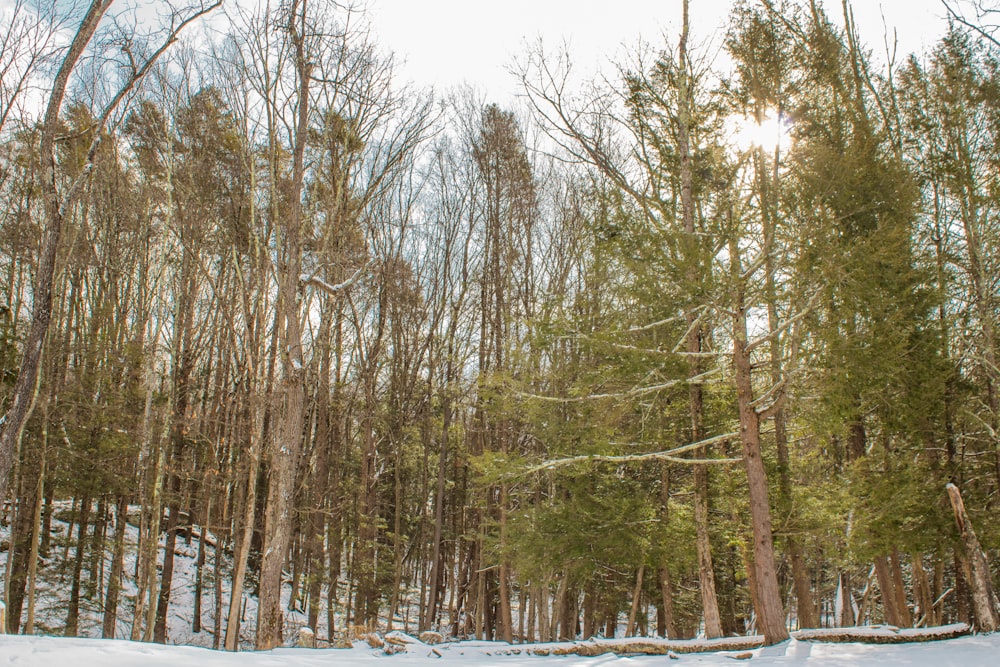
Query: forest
[{"x": 705, "y": 346}]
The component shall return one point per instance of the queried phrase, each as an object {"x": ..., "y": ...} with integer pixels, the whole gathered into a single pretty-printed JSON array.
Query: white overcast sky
[{"x": 448, "y": 42}]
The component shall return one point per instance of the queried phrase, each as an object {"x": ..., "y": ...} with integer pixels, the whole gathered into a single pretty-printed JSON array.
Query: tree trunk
[
  {"x": 770, "y": 612},
  {"x": 905, "y": 617},
  {"x": 117, "y": 566},
  {"x": 244, "y": 529},
  {"x": 167, "y": 576},
  {"x": 922, "y": 593},
  {"x": 23, "y": 509},
  {"x": 589, "y": 611},
  {"x": 286, "y": 446},
  {"x": 217, "y": 607},
  {"x": 706, "y": 573},
  {"x": 847, "y": 618},
  {"x": 316, "y": 521},
  {"x": 887, "y": 586},
  {"x": 505, "y": 616},
  {"x": 976, "y": 567},
  {"x": 667, "y": 592},
  {"x": 95, "y": 569},
  {"x": 73, "y": 612},
  {"x": 636, "y": 596},
  {"x": 199, "y": 563},
  {"x": 29, "y": 625},
  {"x": 568, "y": 617}
]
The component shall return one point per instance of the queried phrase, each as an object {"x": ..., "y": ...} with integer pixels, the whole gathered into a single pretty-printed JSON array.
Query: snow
[{"x": 983, "y": 650}]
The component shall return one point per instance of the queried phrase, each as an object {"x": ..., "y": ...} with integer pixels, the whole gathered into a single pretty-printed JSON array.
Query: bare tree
[
  {"x": 28, "y": 42},
  {"x": 56, "y": 206},
  {"x": 980, "y": 16}
]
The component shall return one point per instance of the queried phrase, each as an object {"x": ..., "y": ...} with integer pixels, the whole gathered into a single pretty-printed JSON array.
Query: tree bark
[
  {"x": 905, "y": 617},
  {"x": 976, "y": 566},
  {"x": 669, "y": 619},
  {"x": 73, "y": 612},
  {"x": 888, "y": 588},
  {"x": 693, "y": 343},
  {"x": 847, "y": 618},
  {"x": 636, "y": 597},
  {"x": 922, "y": 592},
  {"x": 117, "y": 565},
  {"x": 770, "y": 611},
  {"x": 29, "y": 624},
  {"x": 288, "y": 443}
]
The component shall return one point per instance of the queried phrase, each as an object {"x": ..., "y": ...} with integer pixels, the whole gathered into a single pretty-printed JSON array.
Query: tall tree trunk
[
  {"x": 437, "y": 554},
  {"x": 29, "y": 624},
  {"x": 667, "y": 593},
  {"x": 286, "y": 446},
  {"x": 976, "y": 567},
  {"x": 770, "y": 610},
  {"x": 95, "y": 569},
  {"x": 905, "y": 617},
  {"x": 320, "y": 487},
  {"x": 244, "y": 536},
  {"x": 73, "y": 612},
  {"x": 117, "y": 566},
  {"x": 922, "y": 592},
  {"x": 636, "y": 597},
  {"x": 23, "y": 509},
  {"x": 199, "y": 563},
  {"x": 167, "y": 576},
  {"x": 506, "y": 619},
  {"x": 706, "y": 572},
  {"x": 217, "y": 606},
  {"x": 886, "y": 584},
  {"x": 847, "y": 618}
]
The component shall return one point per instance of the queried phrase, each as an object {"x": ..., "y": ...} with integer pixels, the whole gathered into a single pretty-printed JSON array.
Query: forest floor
[
  {"x": 973, "y": 651},
  {"x": 87, "y": 651}
]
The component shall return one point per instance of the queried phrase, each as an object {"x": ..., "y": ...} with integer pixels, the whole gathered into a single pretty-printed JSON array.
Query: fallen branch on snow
[
  {"x": 594, "y": 647},
  {"x": 882, "y": 634}
]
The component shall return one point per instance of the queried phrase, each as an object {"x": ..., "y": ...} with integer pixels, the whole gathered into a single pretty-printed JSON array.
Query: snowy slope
[{"x": 54, "y": 584}]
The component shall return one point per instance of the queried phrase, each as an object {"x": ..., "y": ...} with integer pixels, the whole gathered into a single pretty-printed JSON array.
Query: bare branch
[
  {"x": 632, "y": 393},
  {"x": 654, "y": 325},
  {"x": 790, "y": 322},
  {"x": 316, "y": 281},
  {"x": 960, "y": 18},
  {"x": 668, "y": 455}
]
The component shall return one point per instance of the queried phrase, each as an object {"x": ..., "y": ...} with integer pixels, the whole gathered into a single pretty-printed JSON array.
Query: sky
[{"x": 448, "y": 42}]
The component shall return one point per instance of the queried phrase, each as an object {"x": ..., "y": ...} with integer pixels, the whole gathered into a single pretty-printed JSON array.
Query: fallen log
[
  {"x": 882, "y": 634},
  {"x": 595, "y": 647}
]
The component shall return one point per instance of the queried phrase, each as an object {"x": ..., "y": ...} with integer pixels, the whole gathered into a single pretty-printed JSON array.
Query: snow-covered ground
[{"x": 977, "y": 651}]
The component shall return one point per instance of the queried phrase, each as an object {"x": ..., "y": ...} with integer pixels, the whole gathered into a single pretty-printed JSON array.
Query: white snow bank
[{"x": 976, "y": 651}]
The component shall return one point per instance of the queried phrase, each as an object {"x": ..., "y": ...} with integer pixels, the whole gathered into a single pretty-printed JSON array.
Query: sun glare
[{"x": 770, "y": 134}]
